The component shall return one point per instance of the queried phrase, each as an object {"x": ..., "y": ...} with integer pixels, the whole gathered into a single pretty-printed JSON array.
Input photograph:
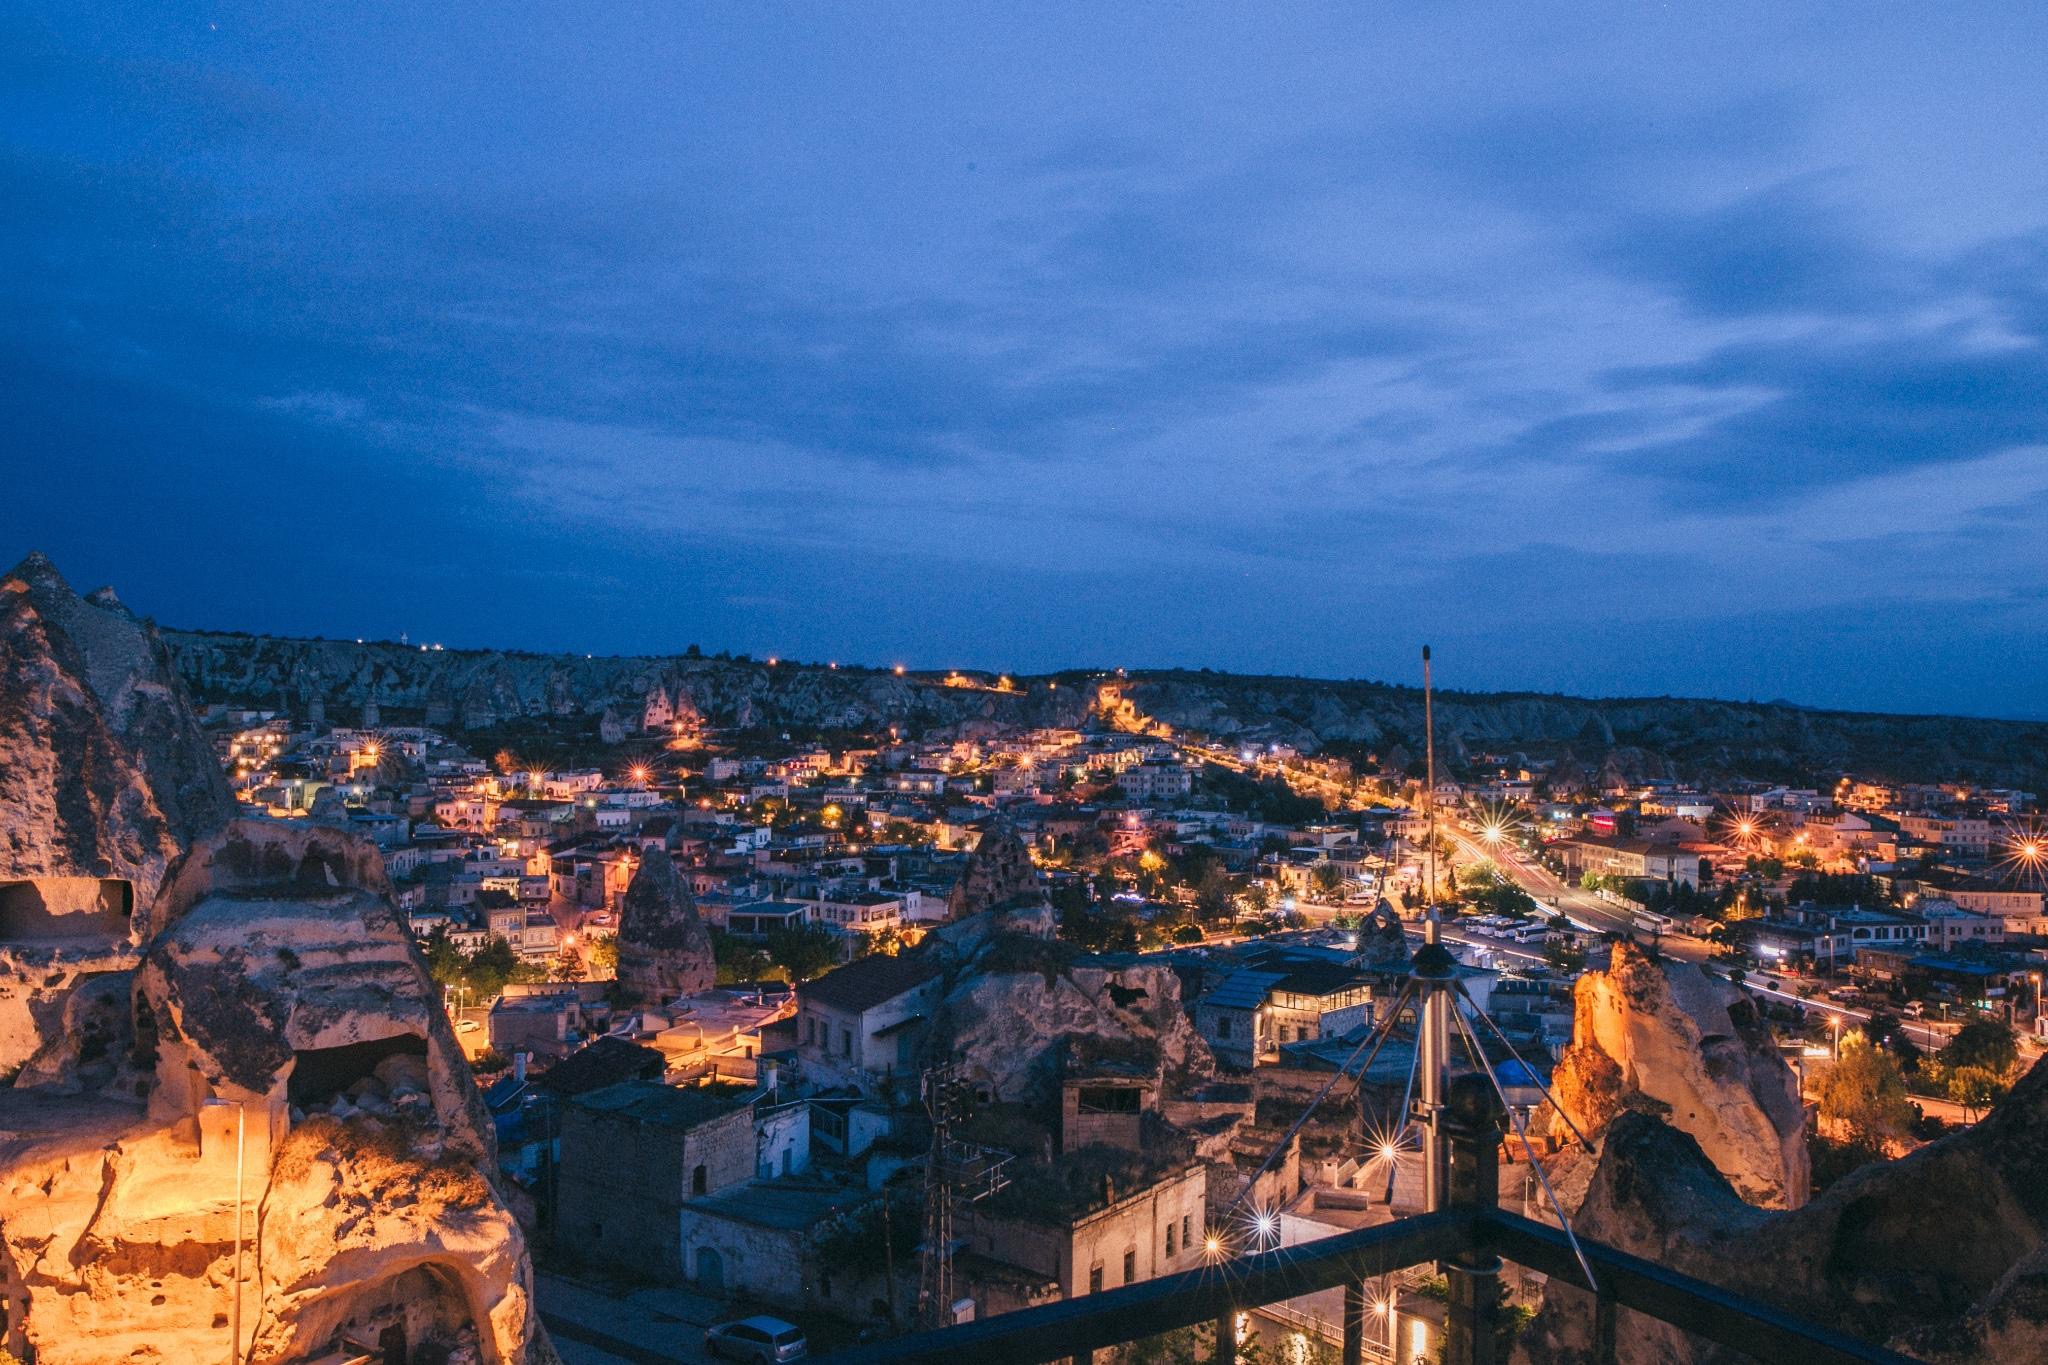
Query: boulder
[
  {"x": 664, "y": 948},
  {"x": 1661, "y": 1037}
]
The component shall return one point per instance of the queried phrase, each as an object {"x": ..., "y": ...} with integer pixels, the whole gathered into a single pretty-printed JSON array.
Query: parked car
[
  {"x": 764, "y": 1340},
  {"x": 1914, "y": 1009},
  {"x": 467, "y": 1026}
]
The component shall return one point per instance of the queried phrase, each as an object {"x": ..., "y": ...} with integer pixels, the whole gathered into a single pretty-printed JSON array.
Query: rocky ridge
[{"x": 1638, "y": 737}]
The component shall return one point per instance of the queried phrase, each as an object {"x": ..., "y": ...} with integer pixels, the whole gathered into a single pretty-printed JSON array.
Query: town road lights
[
  {"x": 1493, "y": 834},
  {"x": 1835, "y": 1023}
]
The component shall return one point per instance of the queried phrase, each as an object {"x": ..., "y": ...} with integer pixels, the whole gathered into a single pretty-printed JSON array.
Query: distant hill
[{"x": 1641, "y": 736}]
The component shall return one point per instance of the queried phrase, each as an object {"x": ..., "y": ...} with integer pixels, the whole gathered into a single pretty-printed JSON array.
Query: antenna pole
[{"x": 1429, "y": 766}]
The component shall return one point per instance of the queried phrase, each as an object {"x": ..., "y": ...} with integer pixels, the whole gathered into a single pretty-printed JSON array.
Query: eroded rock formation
[
  {"x": 104, "y": 779},
  {"x": 1382, "y": 940},
  {"x": 664, "y": 948},
  {"x": 999, "y": 876},
  {"x": 1010, "y": 1023},
  {"x": 237, "y": 1031},
  {"x": 1942, "y": 1254},
  {"x": 104, "y": 773},
  {"x": 1662, "y": 1037},
  {"x": 281, "y": 1012}
]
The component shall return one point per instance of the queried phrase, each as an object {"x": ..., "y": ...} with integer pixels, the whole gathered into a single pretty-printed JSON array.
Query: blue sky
[{"x": 1611, "y": 348}]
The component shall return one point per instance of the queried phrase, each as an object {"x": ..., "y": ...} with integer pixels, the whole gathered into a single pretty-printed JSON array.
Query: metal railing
[{"x": 1468, "y": 1239}]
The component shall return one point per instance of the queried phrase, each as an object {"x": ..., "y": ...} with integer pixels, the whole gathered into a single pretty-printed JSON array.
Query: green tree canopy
[
  {"x": 1986, "y": 1044},
  {"x": 1865, "y": 1091}
]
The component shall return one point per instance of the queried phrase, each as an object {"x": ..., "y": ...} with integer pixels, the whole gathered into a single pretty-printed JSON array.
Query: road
[{"x": 1576, "y": 903}]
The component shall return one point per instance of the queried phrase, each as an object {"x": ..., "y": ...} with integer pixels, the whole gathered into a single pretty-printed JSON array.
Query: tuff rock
[
  {"x": 664, "y": 947},
  {"x": 1941, "y": 1255},
  {"x": 104, "y": 773},
  {"x": 1662, "y": 1037}
]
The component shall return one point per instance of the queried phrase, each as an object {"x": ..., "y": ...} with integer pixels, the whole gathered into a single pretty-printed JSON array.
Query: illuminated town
[
  {"x": 980, "y": 994},
  {"x": 909, "y": 683}
]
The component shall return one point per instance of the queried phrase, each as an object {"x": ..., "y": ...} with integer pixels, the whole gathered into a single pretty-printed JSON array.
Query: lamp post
[{"x": 241, "y": 1148}]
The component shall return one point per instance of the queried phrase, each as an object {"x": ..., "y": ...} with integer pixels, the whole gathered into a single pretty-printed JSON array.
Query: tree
[
  {"x": 445, "y": 962},
  {"x": 1976, "y": 1088},
  {"x": 1981, "y": 1044},
  {"x": 804, "y": 951},
  {"x": 492, "y": 967},
  {"x": 1865, "y": 1092},
  {"x": 1215, "y": 893},
  {"x": 604, "y": 956},
  {"x": 736, "y": 960},
  {"x": 1327, "y": 880}
]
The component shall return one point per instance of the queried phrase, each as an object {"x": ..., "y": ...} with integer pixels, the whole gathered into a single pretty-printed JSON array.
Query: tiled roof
[{"x": 869, "y": 982}]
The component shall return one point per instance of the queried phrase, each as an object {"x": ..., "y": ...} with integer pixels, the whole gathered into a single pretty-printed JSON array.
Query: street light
[
  {"x": 241, "y": 1146},
  {"x": 1835, "y": 1023}
]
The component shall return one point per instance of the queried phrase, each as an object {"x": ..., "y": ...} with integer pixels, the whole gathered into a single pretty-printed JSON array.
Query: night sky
[{"x": 1612, "y": 349}]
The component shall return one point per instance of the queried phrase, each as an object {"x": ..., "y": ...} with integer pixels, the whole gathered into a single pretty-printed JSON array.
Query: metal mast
[
  {"x": 954, "y": 1170},
  {"x": 935, "y": 1254},
  {"x": 1435, "y": 978}
]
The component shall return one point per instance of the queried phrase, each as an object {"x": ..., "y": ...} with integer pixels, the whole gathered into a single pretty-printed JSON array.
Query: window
[
  {"x": 1131, "y": 1266},
  {"x": 1223, "y": 1026},
  {"x": 1095, "y": 1279},
  {"x": 699, "y": 1180},
  {"x": 1169, "y": 1239},
  {"x": 1187, "y": 1238}
]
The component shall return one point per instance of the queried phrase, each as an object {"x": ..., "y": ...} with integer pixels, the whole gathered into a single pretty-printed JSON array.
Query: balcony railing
[{"x": 1469, "y": 1239}]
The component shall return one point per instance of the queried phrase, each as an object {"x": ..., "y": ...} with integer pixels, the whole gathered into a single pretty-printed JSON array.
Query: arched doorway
[{"x": 710, "y": 1270}]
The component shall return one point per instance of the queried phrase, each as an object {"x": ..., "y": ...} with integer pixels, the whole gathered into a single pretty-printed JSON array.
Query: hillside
[{"x": 477, "y": 689}]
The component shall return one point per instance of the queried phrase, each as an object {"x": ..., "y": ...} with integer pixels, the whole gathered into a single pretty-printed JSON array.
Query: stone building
[
  {"x": 634, "y": 1155},
  {"x": 1093, "y": 1219},
  {"x": 862, "y": 1021}
]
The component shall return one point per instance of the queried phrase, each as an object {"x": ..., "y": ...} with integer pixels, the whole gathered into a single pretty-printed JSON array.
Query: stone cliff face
[
  {"x": 283, "y": 1015},
  {"x": 105, "y": 778},
  {"x": 1633, "y": 737},
  {"x": 1942, "y": 1254},
  {"x": 1664, "y": 1038},
  {"x": 217, "y": 1024},
  {"x": 103, "y": 771},
  {"x": 664, "y": 948}
]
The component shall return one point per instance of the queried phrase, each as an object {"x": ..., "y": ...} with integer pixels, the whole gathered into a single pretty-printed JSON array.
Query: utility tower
[{"x": 954, "y": 1171}]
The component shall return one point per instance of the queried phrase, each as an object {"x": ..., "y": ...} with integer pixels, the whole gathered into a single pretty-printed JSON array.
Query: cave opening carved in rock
[
  {"x": 320, "y": 1075},
  {"x": 96, "y": 908},
  {"x": 419, "y": 1316}
]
